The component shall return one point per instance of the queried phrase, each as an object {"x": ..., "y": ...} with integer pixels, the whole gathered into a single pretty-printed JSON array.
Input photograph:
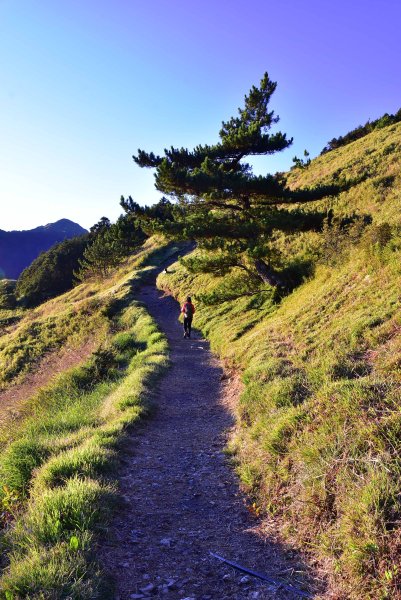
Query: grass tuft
[
  {"x": 319, "y": 420},
  {"x": 56, "y": 465}
]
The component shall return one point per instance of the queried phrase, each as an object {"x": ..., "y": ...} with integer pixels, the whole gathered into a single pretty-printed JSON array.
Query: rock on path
[{"x": 181, "y": 498}]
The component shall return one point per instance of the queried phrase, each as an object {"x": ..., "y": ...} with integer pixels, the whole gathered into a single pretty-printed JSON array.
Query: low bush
[{"x": 7, "y": 294}]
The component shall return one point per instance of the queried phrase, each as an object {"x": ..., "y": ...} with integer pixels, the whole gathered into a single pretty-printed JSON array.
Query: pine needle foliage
[
  {"x": 111, "y": 243},
  {"x": 317, "y": 440},
  {"x": 223, "y": 205}
]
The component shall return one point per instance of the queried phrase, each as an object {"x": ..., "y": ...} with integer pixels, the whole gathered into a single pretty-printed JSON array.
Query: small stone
[
  {"x": 170, "y": 583},
  {"x": 226, "y": 577},
  {"x": 244, "y": 580},
  {"x": 146, "y": 576},
  {"x": 125, "y": 565},
  {"x": 165, "y": 542},
  {"x": 137, "y": 533},
  {"x": 135, "y": 538},
  {"x": 163, "y": 589},
  {"x": 255, "y": 595},
  {"x": 148, "y": 588}
]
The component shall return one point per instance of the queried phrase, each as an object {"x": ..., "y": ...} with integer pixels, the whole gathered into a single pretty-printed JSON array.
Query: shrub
[{"x": 7, "y": 294}]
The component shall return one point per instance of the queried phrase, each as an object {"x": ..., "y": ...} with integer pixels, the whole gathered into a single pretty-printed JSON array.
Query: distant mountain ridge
[{"x": 19, "y": 248}]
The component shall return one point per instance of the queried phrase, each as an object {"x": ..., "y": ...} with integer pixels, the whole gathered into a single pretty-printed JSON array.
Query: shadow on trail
[{"x": 182, "y": 499}]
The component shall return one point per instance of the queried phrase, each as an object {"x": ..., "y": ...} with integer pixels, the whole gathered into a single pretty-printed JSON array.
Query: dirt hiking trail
[{"x": 181, "y": 497}]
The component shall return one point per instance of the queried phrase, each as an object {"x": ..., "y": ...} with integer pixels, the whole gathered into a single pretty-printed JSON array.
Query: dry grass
[
  {"x": 56, "y": 466},
  {"x": 319, "y": 421}
]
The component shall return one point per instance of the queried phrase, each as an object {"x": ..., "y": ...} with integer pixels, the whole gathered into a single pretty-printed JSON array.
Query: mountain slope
[
  {"x": 19, "y": 248},
  {"x": 58, "y": 440},
  {"x": 318, "y": 437},
  {"x": 375, "y": 160}
]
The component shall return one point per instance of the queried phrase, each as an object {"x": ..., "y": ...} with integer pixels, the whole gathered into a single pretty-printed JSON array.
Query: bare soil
[
  {"x": 181, "y": 497},
  {"x": 13, "y": 398}
]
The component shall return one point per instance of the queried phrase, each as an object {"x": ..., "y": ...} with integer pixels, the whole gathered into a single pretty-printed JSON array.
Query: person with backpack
[{"x": 188, "y": 310}]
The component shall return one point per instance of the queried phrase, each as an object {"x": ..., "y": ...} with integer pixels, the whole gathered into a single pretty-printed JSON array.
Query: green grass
[
  {"x": 56, "y": 467},
  {"x": 375, "y": 159},
  {"x": 72, "y": 318},
  {"x": 22, "y": 348},
  {"x": 319, "y": 420}
]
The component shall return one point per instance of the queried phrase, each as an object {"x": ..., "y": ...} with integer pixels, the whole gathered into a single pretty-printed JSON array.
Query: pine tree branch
[{"x": 267, "y": 274}]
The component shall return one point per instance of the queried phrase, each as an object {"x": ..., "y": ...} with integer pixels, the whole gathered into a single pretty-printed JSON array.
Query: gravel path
[{"x": 181, "y": 498}]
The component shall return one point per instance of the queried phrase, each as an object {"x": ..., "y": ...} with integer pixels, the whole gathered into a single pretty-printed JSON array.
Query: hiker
[{"x": 188, "y": 310}]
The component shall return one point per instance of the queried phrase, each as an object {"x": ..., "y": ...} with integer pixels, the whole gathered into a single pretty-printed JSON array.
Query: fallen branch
[{"x": 277, "y": 584}]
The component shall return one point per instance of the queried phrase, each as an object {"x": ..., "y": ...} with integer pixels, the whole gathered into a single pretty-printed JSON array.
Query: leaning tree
[{"x": 221, "y": 204}]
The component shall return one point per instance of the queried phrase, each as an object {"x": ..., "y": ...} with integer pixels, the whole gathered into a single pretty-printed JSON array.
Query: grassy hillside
[
  {"x": 56, "y": 461},
  {"x": 375, "y": 159},
  {"x": 318, "y": 435},
  {"x": 66, "y": 321}
]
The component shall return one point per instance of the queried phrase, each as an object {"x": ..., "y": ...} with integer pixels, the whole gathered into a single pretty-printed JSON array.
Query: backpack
[{"x": 188, "y": 311}]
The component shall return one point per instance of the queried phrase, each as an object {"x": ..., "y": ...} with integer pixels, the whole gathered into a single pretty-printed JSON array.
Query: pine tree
[
  {"x": 220, "y": 202},
  {"x": 110, "y": 244}
]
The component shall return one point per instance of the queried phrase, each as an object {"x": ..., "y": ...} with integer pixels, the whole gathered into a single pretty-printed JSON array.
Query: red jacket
[{"x": 190, "y": 304}]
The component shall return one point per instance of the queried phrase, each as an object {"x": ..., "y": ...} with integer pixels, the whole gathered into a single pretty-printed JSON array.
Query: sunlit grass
[
  {"x": 319, "y": 421},
  {"x": 56, "y": 465}
]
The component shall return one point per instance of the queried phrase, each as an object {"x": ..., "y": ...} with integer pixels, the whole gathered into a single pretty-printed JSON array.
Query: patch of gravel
[{"x": 181, "y": 498}]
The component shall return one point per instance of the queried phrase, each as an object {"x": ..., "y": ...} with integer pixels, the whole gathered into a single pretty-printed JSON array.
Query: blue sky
[{"x": 85, "y": 84}]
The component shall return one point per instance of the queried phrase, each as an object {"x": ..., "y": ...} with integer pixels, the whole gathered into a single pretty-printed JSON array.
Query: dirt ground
[
  {"x": 52, "y": 364},
  {"x": 181, "y": 496}
]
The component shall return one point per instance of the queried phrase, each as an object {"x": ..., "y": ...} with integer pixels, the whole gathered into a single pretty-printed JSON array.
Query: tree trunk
[{"x": 267, "y": 274}]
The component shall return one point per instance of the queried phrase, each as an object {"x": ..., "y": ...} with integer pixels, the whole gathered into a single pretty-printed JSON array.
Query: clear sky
[{"x": 85, "y": 83}]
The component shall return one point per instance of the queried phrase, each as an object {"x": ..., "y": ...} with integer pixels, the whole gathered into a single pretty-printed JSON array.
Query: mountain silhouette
[{"x": 19, "y": 248}]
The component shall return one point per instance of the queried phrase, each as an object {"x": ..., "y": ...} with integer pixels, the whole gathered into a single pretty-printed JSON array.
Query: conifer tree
[
  {"x": 110, "y": 244},
  {"x": 224, "y": 206}
]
